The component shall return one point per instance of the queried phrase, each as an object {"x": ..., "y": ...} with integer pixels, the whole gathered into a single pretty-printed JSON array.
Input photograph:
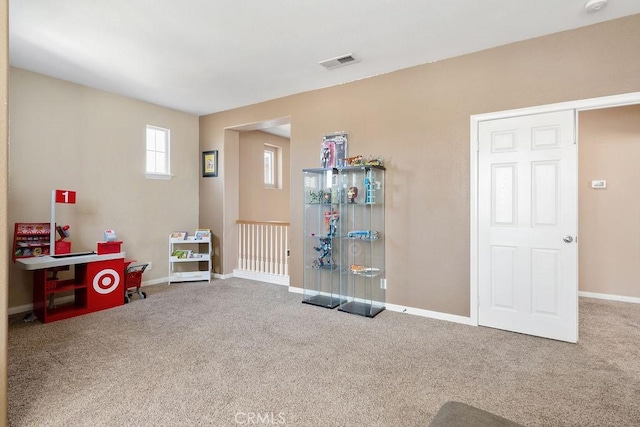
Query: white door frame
[{"x": 580, "y": 105}]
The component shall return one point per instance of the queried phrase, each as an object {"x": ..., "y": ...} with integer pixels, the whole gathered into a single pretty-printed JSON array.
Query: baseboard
[
  {"x": 20, "y": 309},
  {"x": 431, "y": 314},
  {"x": 414, "y": 311},
  {"x": 262, "y": 277},
  {"x": 609, "y": 297},
  {"x": 154, "y": 281},
  {"x": 26, "y": 308},
  {"x": 222, "y": 276}
]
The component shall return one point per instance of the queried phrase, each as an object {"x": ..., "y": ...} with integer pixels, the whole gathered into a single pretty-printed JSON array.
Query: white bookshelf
[{"x": 189, "y": 259}]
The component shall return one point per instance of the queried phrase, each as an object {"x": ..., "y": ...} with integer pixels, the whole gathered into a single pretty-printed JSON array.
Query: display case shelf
[
  {"x": 343, "y": 228},
  {"x": 361, "y": 308},
  {"x": 321, "y": 283},
  {"x": 362, "y": 250},
  {"x": 31, "y": 239}
]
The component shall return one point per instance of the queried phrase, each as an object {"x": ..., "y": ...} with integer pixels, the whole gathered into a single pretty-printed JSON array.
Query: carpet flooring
[{"x": 239, "y": 352}]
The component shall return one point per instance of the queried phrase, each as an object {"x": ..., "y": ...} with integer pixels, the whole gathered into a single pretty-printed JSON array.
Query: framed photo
[
  {"x": 210, "y": 163},
  {"x": 334, "y": 150}
]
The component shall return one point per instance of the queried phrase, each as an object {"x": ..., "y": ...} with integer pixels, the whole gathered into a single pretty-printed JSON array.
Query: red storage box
[
  {"x": 63, "y": 247},
  {"x": 108, "y": 247}
]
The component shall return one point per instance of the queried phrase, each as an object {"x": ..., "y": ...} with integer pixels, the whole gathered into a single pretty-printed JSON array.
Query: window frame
[
  {"x": 158, "y": 175},
  {"x": 274, "y": 152}
]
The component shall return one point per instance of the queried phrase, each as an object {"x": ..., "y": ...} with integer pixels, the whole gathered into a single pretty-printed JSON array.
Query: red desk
[{"x": 97, "y": 284}]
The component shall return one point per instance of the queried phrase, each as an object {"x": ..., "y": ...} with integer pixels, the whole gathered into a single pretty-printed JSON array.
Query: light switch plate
[{"x": 599, "y": 183}]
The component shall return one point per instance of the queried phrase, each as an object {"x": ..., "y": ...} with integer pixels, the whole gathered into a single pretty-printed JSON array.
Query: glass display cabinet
[
  {"x": 322, "y": 235},
  {"x": 362, "y": 281}
]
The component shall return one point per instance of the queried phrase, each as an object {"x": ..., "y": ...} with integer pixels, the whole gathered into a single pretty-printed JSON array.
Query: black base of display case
[
  {"x": 325, "y": 301},
  {"x": 360, "y": 308}
]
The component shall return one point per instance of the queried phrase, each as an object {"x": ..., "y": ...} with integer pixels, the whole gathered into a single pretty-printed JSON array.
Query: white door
[{"x": 527, "y": 223}]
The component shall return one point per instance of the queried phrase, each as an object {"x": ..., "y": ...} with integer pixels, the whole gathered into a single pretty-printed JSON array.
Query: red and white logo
[{"x": 106, "y": 281}]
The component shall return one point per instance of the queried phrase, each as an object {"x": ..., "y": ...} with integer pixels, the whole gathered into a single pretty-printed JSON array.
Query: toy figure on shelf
[
  {"x": 370, "y": 195},
  {"x": 361, "y": 161},
  {"x": 370, "y": 185},
  {"x": 313, "y": 197},
  {"x": 352, "y": 193},
  {"x": 363, "y": 235},
  {"x": 325, "y": 260},
  {"x": 327, "y": 197},
  {"x": 326, "y": 155},
  {"x": 331, "y": 222},
  {"x": 319, "y": 197}
]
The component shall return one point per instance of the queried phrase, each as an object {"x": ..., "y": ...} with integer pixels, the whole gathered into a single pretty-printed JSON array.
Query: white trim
[
  {"x": 160, "y": 176},
  {"x": 262, "y": 277},
  {"x": 578, "y": 105},
  {"x": 222, "y": 276},
  {"x": 582, "y": 104},
  {"x": 431, "y": 314},
  {"x": 413, "y": 311},
  {"x": 167, "y": 135},
  {"x": 152, "y": 282},
  {"x": 473, "y": 244},
  {"x": 26, "y": 308},
  {"x": 609, "y": 297},
  {"x": 20, "y": 309}
]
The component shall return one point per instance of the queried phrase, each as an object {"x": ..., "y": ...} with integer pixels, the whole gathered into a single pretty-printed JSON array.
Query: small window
[
  {"x": 157, "y": 152},
  {"x": 269, "y": 175},
  {"x": 271, "y": 178}
]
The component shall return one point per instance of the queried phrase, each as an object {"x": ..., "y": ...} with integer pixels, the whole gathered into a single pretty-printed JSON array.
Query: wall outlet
[
  {"x": 149, "y": 266},
  {"x": 383, "y": 283}
]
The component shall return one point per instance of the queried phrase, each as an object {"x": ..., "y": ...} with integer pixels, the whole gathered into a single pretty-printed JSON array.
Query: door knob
[{"x": 567, "y": 239}]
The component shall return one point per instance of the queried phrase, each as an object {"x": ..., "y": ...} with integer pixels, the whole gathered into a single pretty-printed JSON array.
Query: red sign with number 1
[{"x": 65, "y": 196}]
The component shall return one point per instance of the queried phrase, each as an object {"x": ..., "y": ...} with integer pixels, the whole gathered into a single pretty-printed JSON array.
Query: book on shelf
[
  {"x": 202, "y": 233},
  {"x": 181, "y": 254},
  {"x": 179, "y": 235}
]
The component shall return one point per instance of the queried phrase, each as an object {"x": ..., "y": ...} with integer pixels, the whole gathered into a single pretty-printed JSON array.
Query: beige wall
[
  {"x": 609, "y": 219},
  {"x": 4, "y": 254},
  {"x": 258, "y": 203},
  {"x": 418, "y": 120},
  {"x": 72, "y": 137}
]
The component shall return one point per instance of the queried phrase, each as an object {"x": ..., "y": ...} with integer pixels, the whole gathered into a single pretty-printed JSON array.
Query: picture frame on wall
[{"x": 210, "y": 163}]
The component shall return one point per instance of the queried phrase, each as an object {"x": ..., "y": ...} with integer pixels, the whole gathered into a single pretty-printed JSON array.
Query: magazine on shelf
[
  {"x": 179, "y": 235},
  {"x": 202, "y": 233},
  {"x": 181, "y": 254}
]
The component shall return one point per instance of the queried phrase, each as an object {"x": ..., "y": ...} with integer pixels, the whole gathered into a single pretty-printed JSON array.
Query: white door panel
[{"x": 527, "y": 203}]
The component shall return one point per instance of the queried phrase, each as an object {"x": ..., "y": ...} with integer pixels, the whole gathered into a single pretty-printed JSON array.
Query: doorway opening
[
  {"x": 261, "y": 223},
  {"x": 609, "y": 203}
]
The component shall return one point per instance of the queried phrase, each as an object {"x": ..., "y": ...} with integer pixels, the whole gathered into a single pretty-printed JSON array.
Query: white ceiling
[{"x": 205, "y": 56}]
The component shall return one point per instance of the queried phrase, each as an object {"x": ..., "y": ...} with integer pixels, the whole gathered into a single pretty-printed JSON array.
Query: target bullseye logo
[{"x": 106, "y": 281}]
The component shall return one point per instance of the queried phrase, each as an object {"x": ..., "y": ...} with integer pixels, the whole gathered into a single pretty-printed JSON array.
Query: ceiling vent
[{"x": 340, "y": 61}]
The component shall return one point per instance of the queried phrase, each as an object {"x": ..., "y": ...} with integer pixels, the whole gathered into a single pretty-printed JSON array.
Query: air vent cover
[{"x": 340, "y": 61}]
